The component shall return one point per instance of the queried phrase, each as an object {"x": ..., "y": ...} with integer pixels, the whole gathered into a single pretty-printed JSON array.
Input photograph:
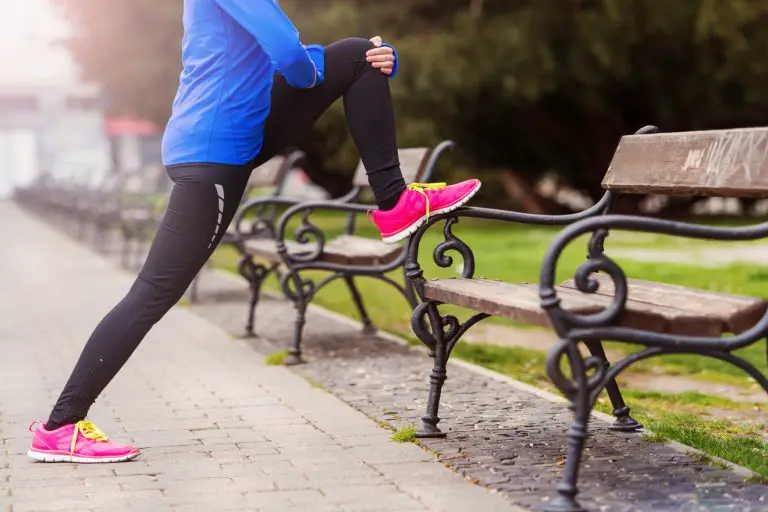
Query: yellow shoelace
[
  {"x": 421, "y": 187},
  {"x": 89, "y": 431}
]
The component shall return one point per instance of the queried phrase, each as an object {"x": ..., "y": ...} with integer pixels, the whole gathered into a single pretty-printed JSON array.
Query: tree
[
  {"x": 133, "y": 49},
  {"x": 526, "y": 87}
]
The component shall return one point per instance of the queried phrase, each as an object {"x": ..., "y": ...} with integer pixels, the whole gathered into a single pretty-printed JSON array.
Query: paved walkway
[
  {"x": 502, "y": 434},
  {"x": 219, "y": 430}
]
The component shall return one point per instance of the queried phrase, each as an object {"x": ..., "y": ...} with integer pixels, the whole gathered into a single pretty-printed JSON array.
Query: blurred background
[{"x": 535, "y": 92}]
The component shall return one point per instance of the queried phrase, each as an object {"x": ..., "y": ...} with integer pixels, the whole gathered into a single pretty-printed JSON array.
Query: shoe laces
[
  {"x": 423, "y": 188},
  {"x": 89, "y": 431}
]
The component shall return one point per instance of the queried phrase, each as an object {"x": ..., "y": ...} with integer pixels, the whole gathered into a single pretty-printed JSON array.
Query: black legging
[{"x": 205, "y": 198}]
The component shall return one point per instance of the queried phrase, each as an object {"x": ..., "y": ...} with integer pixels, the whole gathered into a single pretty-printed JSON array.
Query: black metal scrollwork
[
  {"x": 454, "y": 243},
  {"x": 594, "y": 368},
  {"x": 311, "y": 239},
  {"x": 451, "y": 242},
  {"x": 295, "y": 287}
]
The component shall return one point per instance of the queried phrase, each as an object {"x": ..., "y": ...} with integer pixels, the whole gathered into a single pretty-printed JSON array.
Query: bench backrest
[
  {"x": 728, "y": 163},
  {"x": 412, "y": 164},
  {"x": 268, "y": 174}
]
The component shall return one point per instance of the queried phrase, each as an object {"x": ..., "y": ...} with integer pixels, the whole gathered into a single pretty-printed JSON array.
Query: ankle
[{"x": 391, "y": 201}]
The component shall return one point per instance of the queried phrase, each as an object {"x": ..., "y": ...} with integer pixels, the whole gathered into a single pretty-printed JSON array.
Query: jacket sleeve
[{"x": 278, "y": 37}]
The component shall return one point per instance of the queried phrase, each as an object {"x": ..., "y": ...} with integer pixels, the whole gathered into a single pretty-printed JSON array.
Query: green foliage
[
  {"x": 405, "y": 435},
  {"x": 132, "y": 48},
  {"x": 276, "y": 358},
  {"x": 526, "y": 87}
]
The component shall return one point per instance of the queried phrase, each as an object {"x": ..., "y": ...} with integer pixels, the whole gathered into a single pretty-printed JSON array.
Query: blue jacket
[{"x": 230, "y": 52}]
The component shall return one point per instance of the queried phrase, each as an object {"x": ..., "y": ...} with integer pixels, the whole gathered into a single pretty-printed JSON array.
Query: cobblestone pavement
[
  {"x": 504, "y": 437},
  {"x": 219, "y": 430}
]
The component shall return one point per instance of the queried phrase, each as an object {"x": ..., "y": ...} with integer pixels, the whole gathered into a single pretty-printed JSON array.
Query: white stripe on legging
[{"x": 220, "y": 193}]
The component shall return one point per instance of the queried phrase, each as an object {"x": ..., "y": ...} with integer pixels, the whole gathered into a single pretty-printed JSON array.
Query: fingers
[
  {"x": 380, "y": 58},
  {"x": 384, "y": 50}
]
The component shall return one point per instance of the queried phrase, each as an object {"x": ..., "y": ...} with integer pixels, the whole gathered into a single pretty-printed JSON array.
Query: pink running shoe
[
  {"x": 81, "y": 442},
  {"x": 417, "y": 203}
]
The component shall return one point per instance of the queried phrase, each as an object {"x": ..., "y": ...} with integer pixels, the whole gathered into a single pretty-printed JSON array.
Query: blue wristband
[{"x": 397, "y": 61}]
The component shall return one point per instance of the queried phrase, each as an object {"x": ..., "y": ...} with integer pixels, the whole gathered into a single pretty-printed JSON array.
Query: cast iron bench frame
[
  {"x": 721, "y": 163},
  {"x": 310, "y": 249}
]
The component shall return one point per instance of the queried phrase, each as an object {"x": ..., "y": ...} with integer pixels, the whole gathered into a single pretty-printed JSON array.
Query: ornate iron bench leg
[
  {"x": 194, "y": 288},
  {"x": 437, "y": 378},
  {"x": 126, "y": 249},
  {"x": 255, "y": 274},
  {"x": 624, "y": 422},
  {"x": 368, "y": 327},
  {"x": 294, "y": 354},
  {"x": 581, "y": 403},
  {"x": 442, "y": 336},
  {"x": 301, "y": 295},
  {"x": 136, "y": 254}
]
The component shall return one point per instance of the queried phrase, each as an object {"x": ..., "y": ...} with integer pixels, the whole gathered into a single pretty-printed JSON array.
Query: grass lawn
[{"x": 514, "y": 253}]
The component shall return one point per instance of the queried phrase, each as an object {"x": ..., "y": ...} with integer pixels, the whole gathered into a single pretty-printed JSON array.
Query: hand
[{"x": 381, "y": 57}]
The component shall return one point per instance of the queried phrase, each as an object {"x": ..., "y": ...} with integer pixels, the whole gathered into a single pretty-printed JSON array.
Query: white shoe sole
[
  {"x": 53, "y": 457},
  {"x": 420, "y": 222}
]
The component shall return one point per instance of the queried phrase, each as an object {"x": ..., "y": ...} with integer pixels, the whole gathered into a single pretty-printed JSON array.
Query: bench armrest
[
  {"x": 309, "y": 233},
  {"x": 600, "y": 325},
  {"x": 263, "y": 210},
  {"x": 451, "y": 242}
]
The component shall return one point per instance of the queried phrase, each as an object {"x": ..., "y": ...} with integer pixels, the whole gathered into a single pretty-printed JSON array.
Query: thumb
[{"x": 376, "y": 41}]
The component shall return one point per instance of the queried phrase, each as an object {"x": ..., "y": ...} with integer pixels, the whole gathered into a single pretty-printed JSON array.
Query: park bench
[
  {"x": 346, "y": 256},
  {"x": 99, "y": 211},
  {"x": 136, "y": 210},
  {"x": 271, "y": 177},
  {"x": 600, "y": 303}
]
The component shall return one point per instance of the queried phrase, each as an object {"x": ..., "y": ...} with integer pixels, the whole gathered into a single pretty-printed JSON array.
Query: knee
[{"x": 356, "y": 46}]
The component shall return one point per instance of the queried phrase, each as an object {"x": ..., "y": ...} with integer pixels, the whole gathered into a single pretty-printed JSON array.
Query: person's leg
[
  {"x": 203, "y": 201},
  {"x": 371, "y": 121},
  {"x": 368, "y": 107}
]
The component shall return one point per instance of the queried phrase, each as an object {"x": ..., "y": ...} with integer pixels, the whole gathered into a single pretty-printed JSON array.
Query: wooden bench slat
[
  {"x": 516, "y": 301},
  {"x": 345, "y": 249},
  {"x": 731, "y": 163},
  {"x": 736, "y": 313},
  {"x": 358, "y": 250},
  {"x": 521, "y": 302},
  {"x": 266, "y": 248}
]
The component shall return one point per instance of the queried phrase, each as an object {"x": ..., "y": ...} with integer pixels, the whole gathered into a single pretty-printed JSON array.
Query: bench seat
[
  {"x": 345, "y": 249},
  {"x": 655, "y": 307}
]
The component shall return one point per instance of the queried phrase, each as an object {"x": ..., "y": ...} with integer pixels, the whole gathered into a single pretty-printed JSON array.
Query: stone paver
[
  {"x": 219, "y": 430},
  {"x": 502, "y": 436}
]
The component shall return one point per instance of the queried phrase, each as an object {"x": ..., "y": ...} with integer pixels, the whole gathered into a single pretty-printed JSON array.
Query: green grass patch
[
  {"x": 276, "y": 358},
  {"x": 687, "y": 401},
  {"x": 525, "y": 365},
  {"x": 742, "y": 446},
  {"x": 703, "y": 457},
  {"x": 404, "y": 435}
]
